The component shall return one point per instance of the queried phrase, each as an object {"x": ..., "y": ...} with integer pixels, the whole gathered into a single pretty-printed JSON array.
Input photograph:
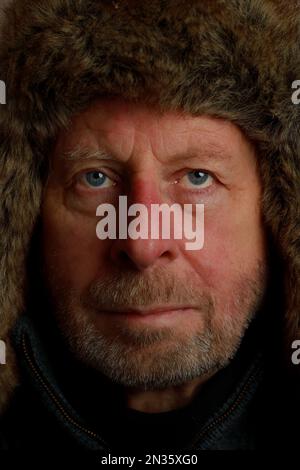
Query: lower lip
[{"x": 151, "y": 316}]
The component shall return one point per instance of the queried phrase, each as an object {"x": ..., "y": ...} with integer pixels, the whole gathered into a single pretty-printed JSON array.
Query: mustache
[{"x": 133, "y": 290}]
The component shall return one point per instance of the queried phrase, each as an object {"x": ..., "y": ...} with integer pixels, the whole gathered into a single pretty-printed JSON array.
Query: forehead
[{"x": 119, "y": 126}]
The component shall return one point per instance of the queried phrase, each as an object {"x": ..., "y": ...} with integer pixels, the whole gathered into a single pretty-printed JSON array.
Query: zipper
[
  {"x": 47, "y": 387},
  {"x": 95, "y": 436},
  {"x": 219, "y": 420}
]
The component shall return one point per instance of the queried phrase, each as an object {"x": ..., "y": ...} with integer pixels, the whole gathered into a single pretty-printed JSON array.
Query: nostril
[
  {"x": 124, "y": 256},
  {"x": 125, "y": 260}
]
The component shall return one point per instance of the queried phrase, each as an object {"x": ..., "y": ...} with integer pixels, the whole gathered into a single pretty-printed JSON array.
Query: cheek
[
  {"x": 233, "y": 245},
  {"x": 71, "y": 249}
]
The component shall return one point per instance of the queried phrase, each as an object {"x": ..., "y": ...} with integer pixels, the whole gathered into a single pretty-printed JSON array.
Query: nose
[{"x": 142, "y": 253}]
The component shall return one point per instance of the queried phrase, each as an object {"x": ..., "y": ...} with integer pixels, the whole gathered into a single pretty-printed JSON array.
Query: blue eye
[
  {"x": 198, "y": 177},
  {"x": 95, "y": 178}
]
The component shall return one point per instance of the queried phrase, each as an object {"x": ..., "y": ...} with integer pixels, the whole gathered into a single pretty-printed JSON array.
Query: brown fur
[{"x": 231, "y": 58}]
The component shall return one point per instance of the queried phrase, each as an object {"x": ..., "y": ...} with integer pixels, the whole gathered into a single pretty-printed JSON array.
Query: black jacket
[{"x": 62, "y": 406}]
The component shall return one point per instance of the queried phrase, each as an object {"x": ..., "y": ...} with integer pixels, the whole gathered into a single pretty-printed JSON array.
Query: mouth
[
  {"x": 152, "y": 315},
  {"x": 157, "y": 310}
]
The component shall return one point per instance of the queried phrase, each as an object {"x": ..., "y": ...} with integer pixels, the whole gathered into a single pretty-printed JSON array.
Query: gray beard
[{"x": 151, "y": 359}]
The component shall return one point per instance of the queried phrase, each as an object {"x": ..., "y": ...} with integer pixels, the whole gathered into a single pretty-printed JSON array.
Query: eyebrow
[{"x": 85, "y": 153}]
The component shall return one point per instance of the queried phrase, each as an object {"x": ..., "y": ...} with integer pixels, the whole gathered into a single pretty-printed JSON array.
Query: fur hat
[{"x": 235, "y": 59}]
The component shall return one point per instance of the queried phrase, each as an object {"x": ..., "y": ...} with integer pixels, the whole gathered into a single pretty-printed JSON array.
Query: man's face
[{"x": 149, "y": 312}]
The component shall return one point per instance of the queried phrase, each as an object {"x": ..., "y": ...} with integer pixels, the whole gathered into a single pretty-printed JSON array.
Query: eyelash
[
  {"x": 194, "y": 190},
  {"x": 79, "y": 178}
]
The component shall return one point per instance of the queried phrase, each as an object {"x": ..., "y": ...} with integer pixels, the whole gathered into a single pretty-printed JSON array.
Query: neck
[{"x": 168, "y": 399}]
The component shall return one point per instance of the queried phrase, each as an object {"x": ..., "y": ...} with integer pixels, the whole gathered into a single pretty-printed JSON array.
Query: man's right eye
[{"x": 96, "y": 179}]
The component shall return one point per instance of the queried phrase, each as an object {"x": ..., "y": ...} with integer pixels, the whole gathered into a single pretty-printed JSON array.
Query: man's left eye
[
  {"x": 198, "y": 178},
  {"x": 96, "y": 179}
]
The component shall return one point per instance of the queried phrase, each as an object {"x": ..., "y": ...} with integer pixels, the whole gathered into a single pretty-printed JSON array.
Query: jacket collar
[{"x": 66, "y": 388}]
